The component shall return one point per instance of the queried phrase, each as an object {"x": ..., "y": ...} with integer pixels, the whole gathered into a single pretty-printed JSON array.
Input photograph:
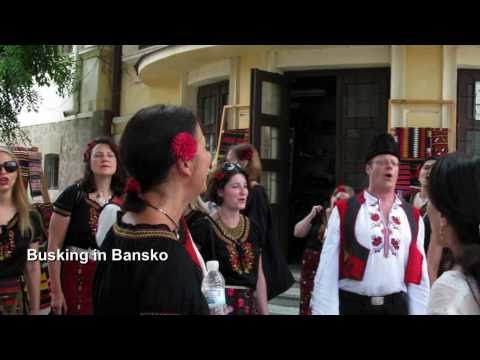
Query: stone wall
[{"x": 67, "y": 139}]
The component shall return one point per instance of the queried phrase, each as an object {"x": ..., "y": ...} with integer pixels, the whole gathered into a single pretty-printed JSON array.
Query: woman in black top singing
[
  {"x": 234, "y": 241},
  {"x": 277, "y": 274},
  {"x": 163, "y": 149},
  {"x": 74, "y": 224}
]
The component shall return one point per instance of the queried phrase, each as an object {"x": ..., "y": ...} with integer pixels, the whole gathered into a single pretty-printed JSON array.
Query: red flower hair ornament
[
  {"x": 184, "y": 146},
  {"x": 133, "y": 186},
  {"x": 219, "y": 176},
  {"x": 246, "y": 154}
]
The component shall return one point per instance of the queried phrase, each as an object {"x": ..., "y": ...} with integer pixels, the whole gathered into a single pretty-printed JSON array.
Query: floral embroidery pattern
[
  {"x": 241, "y": 264},
  {"x": 377, "y": 243},
  {"x": 377, "y": 240},
  {"x": 241, "y": 301},
  {"x": 7, "y": 248},
  {"x": 385, "y": 240},
  {"x": 375, "y": 218},
  {"x": 395, "y": 244}
]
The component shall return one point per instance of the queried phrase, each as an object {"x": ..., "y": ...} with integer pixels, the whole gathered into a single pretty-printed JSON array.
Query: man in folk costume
[{"x": 373, "y": 259}]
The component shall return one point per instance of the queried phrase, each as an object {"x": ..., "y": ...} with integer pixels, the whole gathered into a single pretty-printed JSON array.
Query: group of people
[
  {"x": 367, "y": 253},
  {"x": 145, "y": 197},
  {"x": 376, "y": 253}
]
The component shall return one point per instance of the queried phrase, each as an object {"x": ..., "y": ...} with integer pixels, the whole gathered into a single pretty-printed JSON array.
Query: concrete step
[
  {"x": 287, "y": 303},
  {"x": 284, "y": 301},
  {"x": 282, "y": 310},
  {"x": 292, "y": 293}
]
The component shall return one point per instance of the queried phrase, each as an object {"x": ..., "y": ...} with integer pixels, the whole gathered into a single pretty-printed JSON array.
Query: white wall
[{"x": 50, "y": 109}]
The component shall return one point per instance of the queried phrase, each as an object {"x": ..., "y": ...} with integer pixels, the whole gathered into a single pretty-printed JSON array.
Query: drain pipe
[{"x": 116, "y": 88}]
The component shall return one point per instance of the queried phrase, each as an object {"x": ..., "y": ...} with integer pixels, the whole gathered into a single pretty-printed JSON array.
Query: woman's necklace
[
  {"x": 168, "y": 216},
  {"x": 102, "y": 200},
  {"x": 232, "y": 233}
]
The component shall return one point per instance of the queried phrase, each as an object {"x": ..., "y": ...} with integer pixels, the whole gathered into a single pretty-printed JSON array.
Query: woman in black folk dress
[
  {"x": 20, "y": 230},
  {"x": 277, "y": 274},
  {"x": 234, "y": 241},
  {"x": 73, "y": 227},
  {"x": 313, "y": 227},
  {"x": 163, "y": 149}
]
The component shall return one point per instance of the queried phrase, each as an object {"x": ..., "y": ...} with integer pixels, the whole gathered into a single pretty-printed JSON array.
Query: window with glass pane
[
  {"x": 361, "y": 100},
  {"x": 210, "y": 140},
  {"x": 476, "y": 108},
  {"x": 209, "y": 113},
  {"x": 271, "y": 97},
  {"x": 51, "y": 170},
  {"x": 270, "y": 143},
  {"x": 210, "y": 101},
  {"x": 269, "y": 180}
]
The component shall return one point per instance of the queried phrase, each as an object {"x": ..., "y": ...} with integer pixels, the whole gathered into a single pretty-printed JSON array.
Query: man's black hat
[{"x": 382, "y": 144}]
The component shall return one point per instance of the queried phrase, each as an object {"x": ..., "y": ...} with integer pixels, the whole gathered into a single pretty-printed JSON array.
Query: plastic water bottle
[{"x": 213, "y": 288}]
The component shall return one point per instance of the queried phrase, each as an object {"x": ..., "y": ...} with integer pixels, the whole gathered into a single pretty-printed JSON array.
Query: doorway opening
[{"x": 313, "y": 141}]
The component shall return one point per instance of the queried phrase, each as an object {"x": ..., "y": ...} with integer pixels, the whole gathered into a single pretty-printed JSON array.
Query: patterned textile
[
  {"x": 44, "y": 288},
  {"x": 35, "y": 168},
  {"x": 421, "y": 143},
  {"x": 407, "y": 177},
  {"x": 77, "y": 283},
  {"x": 242, "y": 301},
  {"x": 439, "y": 142},
  {"x": 30, "y": 161},
  {"x": 310, "y": 261},
  {"x": 12, "y": 298},
  {"x": 45, "y": 210},
  {"x": 23, "y": 159},
  {"x": 417, "y": 145}
]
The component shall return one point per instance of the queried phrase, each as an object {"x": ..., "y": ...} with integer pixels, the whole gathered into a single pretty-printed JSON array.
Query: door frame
[
  {"x": 339, "y": 169},
  {"x": 257, "y": 120}
]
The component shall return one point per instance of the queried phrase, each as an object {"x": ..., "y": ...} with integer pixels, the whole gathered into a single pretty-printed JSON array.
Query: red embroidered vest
[{"x": 354, "y": 256}]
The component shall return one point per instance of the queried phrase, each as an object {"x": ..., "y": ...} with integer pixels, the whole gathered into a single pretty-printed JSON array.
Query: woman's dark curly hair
[
  {"x": 87, "y": 184},
  {"x": 220, "y": 177}
]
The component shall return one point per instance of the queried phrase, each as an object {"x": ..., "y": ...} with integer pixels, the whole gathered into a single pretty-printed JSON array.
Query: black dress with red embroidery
[
  {"x": 150, "y": 286},
  {"x": 14, "y": 245},
  {"x": 238, "y": 259},
  {"x": 83, "y": 213}
]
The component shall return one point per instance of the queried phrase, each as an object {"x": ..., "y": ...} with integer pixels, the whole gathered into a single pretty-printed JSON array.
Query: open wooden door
[
  {"x": 468, "y": 110},
  {"x": 362, "y": 113},
  {"x": 269, "y": 134}
]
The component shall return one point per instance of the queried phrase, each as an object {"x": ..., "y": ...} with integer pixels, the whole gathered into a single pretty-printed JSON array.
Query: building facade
[
  {"x": 63, "y": 126},
  {"x": 310, "y": 110}
]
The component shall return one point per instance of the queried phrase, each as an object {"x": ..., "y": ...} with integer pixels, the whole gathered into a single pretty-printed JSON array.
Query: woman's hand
[
  {"x": 59, "y": 306},
  {"x": 317, "y": 209},
  {"x": 303, "y": 227}
]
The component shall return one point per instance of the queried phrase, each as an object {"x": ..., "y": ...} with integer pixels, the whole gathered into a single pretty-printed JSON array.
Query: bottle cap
[{"x": 212, "y": 265}]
